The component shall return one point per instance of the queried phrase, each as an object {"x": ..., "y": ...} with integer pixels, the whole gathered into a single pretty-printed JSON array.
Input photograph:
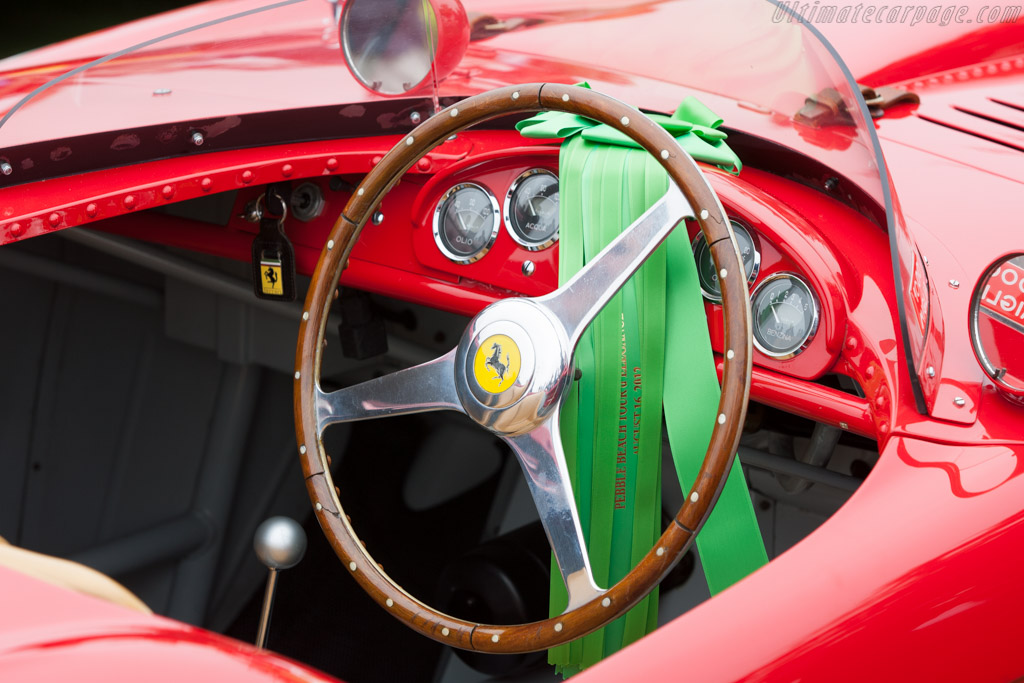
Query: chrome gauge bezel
[
  {"x": 699, "y": 240},
  {"x": 455, "y": 257},
  {"x": 812, "y": 328},
  {"x": 529, "y": 245}
]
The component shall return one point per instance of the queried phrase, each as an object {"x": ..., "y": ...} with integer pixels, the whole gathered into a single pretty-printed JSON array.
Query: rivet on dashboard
[
  {"x": 54, "y": 219},
  {"x": 198, "y": 139},
  {"x": 287, "y": 170},
  {"x": 206, "y": 184},
  {"x": 376, "y": 160},
  {"x": 851, "y": 342},
  {"x": 625, "y": 120},
  {"x": 528, "y": 268},
  {"x": 955, "y": 284},
  {"x": 247, "y": 177},
  {"x": 415, "y": 118},
  {"x": 129, "y": 201},
  {"x": 694, "y": 497},
  {"x": 377, "y": 218},
  {"x": 6, "y": 168},
  {"x": 332, "y": 164},
  {"x": 16, "y": 229},
  {"x": 167, "y": 191},
  {"x": 91, "y": 210},
  {"x": 930, "y": 371},
  {"x": 959, "y": 402},
  {"x": 423, "y": 164},
  {"x": 844, "y": 425},
  {"x": 454, "y": 112},
  {"x": 664, "y": 154}
]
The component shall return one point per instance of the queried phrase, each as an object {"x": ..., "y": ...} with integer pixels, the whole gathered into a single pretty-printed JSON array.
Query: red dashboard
[{"x": 798, "y": 230}]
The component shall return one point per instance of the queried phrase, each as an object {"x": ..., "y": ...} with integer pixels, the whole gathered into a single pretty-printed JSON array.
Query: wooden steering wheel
[{"x": 522, "y": 407}]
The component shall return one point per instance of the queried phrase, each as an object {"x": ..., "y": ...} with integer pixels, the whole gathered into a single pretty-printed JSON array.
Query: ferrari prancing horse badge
[{"x": 497, "y": 363}]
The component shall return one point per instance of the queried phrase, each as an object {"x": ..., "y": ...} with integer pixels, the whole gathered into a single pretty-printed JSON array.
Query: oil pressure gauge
[
  {"x": 707, "y": 274},
  {"x": 785, "y": 315},
  {"x": 466, "y": 222},
  {"x": 531, "y": 209}
]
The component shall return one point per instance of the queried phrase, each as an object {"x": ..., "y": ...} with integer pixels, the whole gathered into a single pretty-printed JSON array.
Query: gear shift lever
[{"x": 280, "y": 543}]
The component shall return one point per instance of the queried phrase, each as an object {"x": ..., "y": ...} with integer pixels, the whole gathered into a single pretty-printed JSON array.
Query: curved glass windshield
[{"x": 153, "y": 84}]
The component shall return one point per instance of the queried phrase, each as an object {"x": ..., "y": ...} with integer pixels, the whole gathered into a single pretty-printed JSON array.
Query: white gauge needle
[
  {"x": 462, "y": 223},
  {"x": 776, "y": 315}
]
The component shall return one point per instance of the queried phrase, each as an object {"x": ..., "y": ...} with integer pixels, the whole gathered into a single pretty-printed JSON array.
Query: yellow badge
[
  {"x": 497, "y": 364},
  {"x": 270, "y": 277}
]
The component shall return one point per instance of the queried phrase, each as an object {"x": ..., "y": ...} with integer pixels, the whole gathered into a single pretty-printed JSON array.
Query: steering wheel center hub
[{"x": 509, "y": 378}]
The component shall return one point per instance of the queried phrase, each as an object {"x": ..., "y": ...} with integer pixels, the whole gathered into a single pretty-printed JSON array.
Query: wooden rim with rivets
[{"x": 731, "y": 410}]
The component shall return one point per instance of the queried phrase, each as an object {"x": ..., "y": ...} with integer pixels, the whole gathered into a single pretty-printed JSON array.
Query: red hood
[{"x": 289, "y": 58}]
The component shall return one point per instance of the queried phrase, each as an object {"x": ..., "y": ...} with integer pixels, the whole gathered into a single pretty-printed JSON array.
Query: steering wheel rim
[{"x": 603, "y": 606}]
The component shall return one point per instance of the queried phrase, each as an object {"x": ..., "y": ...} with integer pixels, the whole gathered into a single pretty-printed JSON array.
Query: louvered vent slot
[{"x": 996, "y": 120}]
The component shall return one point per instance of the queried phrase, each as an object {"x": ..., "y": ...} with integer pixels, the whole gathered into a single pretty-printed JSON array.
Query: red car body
[{"x": 915, "y": 577}]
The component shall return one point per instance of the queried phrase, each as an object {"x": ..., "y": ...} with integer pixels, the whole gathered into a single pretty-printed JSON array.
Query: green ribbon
[{"x": 611, "y": 419}]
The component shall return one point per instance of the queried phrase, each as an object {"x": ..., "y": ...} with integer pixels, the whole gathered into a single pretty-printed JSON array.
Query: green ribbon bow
[{"x": 693, "y": 125}]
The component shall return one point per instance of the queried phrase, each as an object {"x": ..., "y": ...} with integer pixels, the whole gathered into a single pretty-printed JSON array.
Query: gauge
[
  {"x": 785, "y": 315},
  {"x": 531, "y": 209},
  {"x": 707, "y": 274},
  {"x": 466, "y": 222}
]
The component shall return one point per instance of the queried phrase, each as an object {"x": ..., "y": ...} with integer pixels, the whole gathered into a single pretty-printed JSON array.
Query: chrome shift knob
[{"x": 280, "y": 543}]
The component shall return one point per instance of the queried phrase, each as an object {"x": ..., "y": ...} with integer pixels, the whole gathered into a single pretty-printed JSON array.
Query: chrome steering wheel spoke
[
  {"x": 419, "y": 389},
  {"x": 576, "y": 303},
  {"x": 540, "y": 455}
]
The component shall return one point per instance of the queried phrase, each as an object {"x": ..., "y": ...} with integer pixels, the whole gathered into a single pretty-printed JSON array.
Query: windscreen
[{"x": 152, "y": 83}]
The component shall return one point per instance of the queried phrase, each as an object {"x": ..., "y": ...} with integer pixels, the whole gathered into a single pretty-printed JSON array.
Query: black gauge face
[
  {"x": 707, "y": 274},
  {"x": 466, "y": 222},
  {"x": 785, "y": 315},
  {"x": 531, "y": 209}
]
